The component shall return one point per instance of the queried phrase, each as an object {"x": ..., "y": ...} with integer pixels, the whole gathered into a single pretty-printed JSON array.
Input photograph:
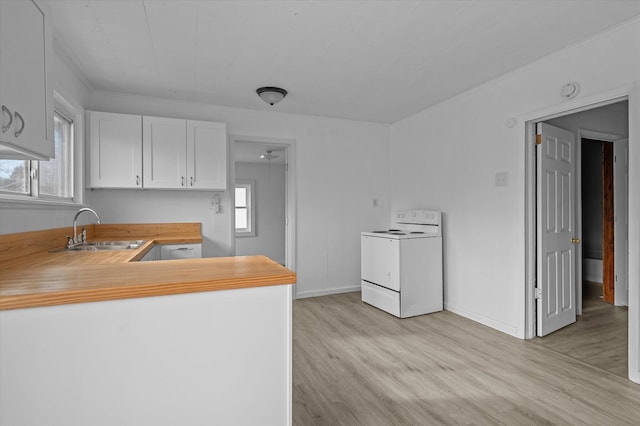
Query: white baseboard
[
  {"x": 327, "y": 292},
  {"x": 592, "y": 270},
  {"x": 489, "y": 322}
]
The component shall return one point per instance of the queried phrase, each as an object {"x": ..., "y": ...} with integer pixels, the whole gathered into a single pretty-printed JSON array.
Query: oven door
[{"x": 380, "y": 261}]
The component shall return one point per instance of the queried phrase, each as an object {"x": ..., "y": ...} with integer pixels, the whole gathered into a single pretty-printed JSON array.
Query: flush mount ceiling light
[{"x": 271, "y": 95}]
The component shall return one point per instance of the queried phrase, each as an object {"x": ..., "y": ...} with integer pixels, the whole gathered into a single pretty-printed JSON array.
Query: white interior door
[
  {"x": 621, "y": 224},
  {"x": 555, "y": 227}
]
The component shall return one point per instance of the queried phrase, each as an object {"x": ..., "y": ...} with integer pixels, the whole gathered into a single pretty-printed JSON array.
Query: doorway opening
[
  {"x": 597, "y": 223},
  {"x": 601, "y": 205},
  {"x": 263, "y": 172}
]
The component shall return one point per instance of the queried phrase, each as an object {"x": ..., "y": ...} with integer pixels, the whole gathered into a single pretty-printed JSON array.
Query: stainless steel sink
[{"x": 105, "y": 245}]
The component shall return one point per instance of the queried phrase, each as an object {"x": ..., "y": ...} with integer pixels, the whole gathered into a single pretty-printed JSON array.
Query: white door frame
[
  {"x": 290, "y": 199},
  {"x": 621, "y": 212},
  {"x": 526, "y": 152}
]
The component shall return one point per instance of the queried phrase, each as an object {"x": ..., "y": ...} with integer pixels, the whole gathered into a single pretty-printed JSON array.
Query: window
[
  {"x": 44, "y": 180},
  {"x": 245, "y": 213},
  {"x": 56, "y": 175}
]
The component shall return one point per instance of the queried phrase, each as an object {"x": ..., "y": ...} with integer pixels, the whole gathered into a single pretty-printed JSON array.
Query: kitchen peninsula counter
[
  {"x": 158, "y": 344},
  {"x": 40, "y": 277},
  {"x": 57, "y": 284}
]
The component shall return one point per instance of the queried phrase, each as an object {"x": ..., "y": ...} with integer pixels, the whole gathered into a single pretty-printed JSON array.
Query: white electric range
[{"x": 402, "y": 267}]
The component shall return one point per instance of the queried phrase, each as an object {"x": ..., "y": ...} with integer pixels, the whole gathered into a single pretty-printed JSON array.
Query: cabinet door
[
  {"x": 150, "y": 256},
  {"x": 206, "y": 155},
  {"x": 25, "y": 95},
  {"x": 164, "y": 142},
  {"x": 115, "y": 150},
  {"x": 380, "y": 261}
]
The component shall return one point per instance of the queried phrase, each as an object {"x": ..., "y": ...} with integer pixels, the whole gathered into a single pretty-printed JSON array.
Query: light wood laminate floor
[
  {"x": 356, "y": 365},
  {"x": 599, "y": 337}
]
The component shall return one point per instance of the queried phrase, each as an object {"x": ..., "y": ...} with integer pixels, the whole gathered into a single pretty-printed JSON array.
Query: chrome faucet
[{"x": 72, "y": 242}]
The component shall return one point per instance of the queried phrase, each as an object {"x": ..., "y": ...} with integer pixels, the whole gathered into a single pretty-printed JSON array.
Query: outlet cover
[{"x": 502, "y": 179}]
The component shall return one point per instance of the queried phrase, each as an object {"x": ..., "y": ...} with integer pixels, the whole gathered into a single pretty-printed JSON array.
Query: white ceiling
[{"x": 364, "y": 60}]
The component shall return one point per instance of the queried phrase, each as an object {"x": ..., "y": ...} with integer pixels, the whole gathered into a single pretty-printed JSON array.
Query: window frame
[
  {"x": 250, "y": 186},
  {"x": 35, "y": 165},
  {"x": 34, "y": 197}
]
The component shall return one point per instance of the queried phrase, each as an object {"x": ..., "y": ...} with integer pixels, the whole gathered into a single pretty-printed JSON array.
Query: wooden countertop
[{"x": 44, "y": 278}]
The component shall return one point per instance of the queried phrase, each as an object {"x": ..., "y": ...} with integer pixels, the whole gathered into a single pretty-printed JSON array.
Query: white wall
[
  {"x": 269, "y": 209},
  {"x": 22, "y": 217},
  {"x": 341, "y": 166},
  {"x": 446, "y": 158}
]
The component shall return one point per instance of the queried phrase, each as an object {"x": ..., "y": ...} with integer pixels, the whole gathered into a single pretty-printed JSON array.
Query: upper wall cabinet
[
  {"x": 115, "y": 150},
  {"x": 131, "y": 151},
  {"x": 184, "y": 154},
  {"x": 164, "y": 143},
  {"x": 206, "y": 155},
  {"x": 26, "y": 98}
]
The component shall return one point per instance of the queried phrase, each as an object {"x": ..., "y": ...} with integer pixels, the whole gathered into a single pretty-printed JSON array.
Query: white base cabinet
[
  {"x": 151, "y": 255},
  {"x": 180, "y": 251},
  {"x": 214, "y": 358}
]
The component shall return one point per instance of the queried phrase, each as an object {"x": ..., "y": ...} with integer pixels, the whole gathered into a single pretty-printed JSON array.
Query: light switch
[{"x": 502, "y": 178}]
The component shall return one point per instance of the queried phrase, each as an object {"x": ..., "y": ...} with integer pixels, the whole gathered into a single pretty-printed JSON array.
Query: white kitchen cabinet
[
  {"x": 180, "y": 251},
  {"x": 133, "y": 151},
  {"x": 164, "y": 143},
  {"x": 206, "y": 155},
  {"x": 151, "y": 255},
  {"x": 181, "y": 359},
  {"x": 184, "y": 154},
  {"x": 115, "y": 150},
  {"x": 26, "y": 97}
]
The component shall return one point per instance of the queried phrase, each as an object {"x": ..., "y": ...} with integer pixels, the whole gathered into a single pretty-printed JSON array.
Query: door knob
[{"x": 575, "y": 240}]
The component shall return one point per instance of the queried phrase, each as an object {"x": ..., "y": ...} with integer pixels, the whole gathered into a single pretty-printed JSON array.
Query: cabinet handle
[
  {"x": 191, "y": 180},
  {"x": 181, "y": 180},
  {"x": 6, "y": 111},
  {"x": 137, "y": 180},
  {"x": 21, "y": 129}
]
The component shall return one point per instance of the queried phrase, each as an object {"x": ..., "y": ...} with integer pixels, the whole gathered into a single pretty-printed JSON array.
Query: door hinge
[
  {"x": 538, "y": 293},
  {"x": 538, "y": 139}
]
